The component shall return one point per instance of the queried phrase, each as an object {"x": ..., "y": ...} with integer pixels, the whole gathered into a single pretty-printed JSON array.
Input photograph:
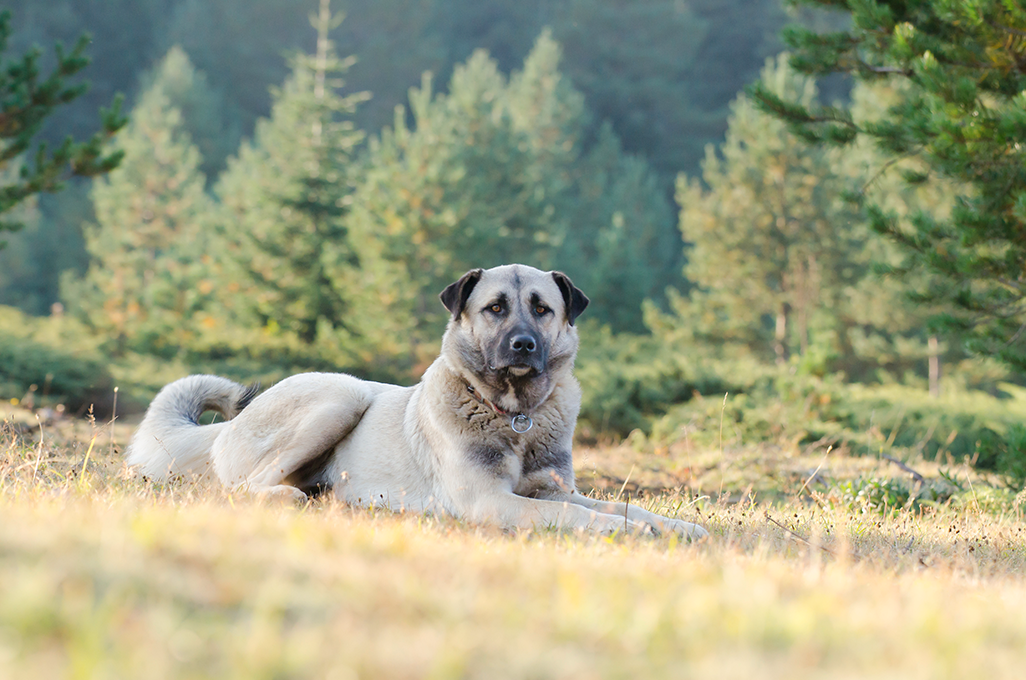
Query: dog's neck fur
[
  {"x": 485, "y": 400},
  {"x": 462, "y": 385}
]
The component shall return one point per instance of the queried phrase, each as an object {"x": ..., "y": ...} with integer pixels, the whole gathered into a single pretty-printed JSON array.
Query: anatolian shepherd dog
[{"x": 486, "y": 435}]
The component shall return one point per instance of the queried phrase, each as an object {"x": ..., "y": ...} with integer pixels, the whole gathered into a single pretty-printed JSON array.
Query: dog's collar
[{"x": 519, "y": 423}]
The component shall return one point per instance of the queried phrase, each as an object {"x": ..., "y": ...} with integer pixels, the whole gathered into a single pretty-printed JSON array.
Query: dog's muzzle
[{"x": 521, "y": 354}]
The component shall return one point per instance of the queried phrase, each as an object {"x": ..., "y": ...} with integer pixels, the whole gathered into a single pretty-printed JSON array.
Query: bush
[
  {"x": 889, "y": 496},
  {"x": 1005, "y": 453},
  {"x": 799, "y": 411},
  {"x": 628, "y": 381},
  {"x": 52, "y": 359}
]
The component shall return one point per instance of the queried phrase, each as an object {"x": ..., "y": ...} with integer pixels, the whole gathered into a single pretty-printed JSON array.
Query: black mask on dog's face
[{"x": 512, "y": 326}]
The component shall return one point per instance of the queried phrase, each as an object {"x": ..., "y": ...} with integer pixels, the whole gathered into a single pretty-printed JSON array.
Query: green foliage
[
  {"x": 662, "y": 96},
  {"x": 645, "y": 53},
  {"x": 52, "y": 241},
  {"x": 212, "y": 125},
  {"x": 50, "y": 244},
  {"x": 783, "y": 265},
  {"x": 889, "y": 496},
  {"x": 629, "y": 380},
  {"x": 620, "y": 245},
  {"x": 771, "y": 247},
  {"x": 25, "y": 103},
  {"x": 884, "y": 330},
  {"x": 147, "y": 285},
  {"x": 497, "y": 171},
  {"x": 660, "y": 72},
  {"x": 964, "y": 116},
  {"x": 53, "y": 361},
  {"x": 803, "y": 412},
  {"x": 1005, "y": 452},
  {"x": 284, "y": 201},
  {"x": 240, "y": 45}
]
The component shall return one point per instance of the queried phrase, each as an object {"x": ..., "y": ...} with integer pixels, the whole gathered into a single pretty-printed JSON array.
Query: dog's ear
[
  {"x": 573, "y": 297},
  {"x": 455, "y": 295}
]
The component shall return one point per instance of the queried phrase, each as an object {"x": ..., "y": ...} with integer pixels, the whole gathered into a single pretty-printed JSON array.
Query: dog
[{"x": 485, "y": 436}]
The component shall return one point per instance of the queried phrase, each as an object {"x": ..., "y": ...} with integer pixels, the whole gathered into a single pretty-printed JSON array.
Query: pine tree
[
  {"x": 146, "y": 287},
  {"x": 285, "y": 195},
  {"x": 883, "y": 329},
  {"x": 770, "y": 246},
  {"x": 25, "y": 103},
  {"x": 965, "y": 117},
  {"x": 452, "y": 193},
  {"x": 214, "y": 129},
  {"x": 618, "y": 239},
  {"x": 240, "y": 45},
  {"x": 621, "y": 245},
  {"x": 661, "y": 72},
  {"x": 498, "y": 171}
]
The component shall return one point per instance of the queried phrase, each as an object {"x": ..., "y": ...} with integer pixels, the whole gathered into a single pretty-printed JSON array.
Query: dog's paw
[
  {"x": 613, "y": 526},
  {"x": 692, "y": 532},
  {"x": 280, "y": 492}
]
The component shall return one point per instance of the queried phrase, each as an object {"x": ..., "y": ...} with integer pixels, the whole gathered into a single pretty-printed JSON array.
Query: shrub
[
  {"x": 53, "y": 359},
  {"x": 630, "y": 380},
  {"x": 795, "y": 411},
  {"x": 1005, "y": 453}
]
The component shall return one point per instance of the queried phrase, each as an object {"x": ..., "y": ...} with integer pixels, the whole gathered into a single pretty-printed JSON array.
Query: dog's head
[{"x": 512, "y": 329}]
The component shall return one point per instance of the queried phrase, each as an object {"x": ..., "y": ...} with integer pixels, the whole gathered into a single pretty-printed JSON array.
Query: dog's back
[{"x": 170, "y": 441}]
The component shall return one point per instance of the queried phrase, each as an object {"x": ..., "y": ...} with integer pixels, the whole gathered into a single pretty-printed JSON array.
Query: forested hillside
[
  {"x": 661, "y": 73},
  {"x": 301, "y": 178}
]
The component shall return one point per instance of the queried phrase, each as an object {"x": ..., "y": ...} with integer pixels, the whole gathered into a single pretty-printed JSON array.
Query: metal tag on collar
[{"x": 521, "y": 423}]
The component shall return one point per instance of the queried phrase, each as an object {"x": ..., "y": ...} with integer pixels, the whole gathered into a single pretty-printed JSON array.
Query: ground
[{"x": 104, "y": 575}]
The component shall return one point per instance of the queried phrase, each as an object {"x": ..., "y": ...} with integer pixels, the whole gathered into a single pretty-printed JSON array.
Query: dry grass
[{"x": 102, "y": 576}]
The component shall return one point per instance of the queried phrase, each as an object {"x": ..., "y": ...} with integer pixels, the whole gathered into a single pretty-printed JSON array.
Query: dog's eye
[
  {"x": 541, "y": 310},
  {"x": 496, "y": 308}
]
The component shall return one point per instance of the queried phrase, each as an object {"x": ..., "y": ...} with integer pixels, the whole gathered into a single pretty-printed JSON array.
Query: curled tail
[{"x": 170, "y": 441}]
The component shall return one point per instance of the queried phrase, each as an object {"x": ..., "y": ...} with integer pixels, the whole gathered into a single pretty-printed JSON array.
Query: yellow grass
[{"x": 102, "y": 576}]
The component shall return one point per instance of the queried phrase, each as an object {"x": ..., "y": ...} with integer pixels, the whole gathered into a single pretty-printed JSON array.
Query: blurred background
[{"x": 301, "y": 180}]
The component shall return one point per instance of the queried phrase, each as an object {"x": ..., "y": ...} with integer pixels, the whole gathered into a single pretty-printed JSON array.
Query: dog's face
[{"x": 512, "y": 329}]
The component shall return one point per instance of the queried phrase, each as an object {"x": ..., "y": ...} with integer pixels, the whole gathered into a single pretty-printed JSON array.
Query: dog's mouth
[{"x": 517, "y": 370}]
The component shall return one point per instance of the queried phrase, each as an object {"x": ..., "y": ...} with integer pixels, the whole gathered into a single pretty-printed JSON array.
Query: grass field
[{"x": 102, "y": 576}]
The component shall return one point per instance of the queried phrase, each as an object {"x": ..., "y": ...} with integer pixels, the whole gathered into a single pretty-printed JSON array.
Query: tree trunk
[
  {"x": 780, "y": 336},
  {"x": 934, "y": 353}
]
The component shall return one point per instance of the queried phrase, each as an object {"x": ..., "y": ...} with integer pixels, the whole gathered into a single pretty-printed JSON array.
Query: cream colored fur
[{"x": 434, "y": 447}]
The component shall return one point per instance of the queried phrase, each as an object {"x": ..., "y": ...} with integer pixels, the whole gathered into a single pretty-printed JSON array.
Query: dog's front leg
[
  {"x": 633, "y": 512},
  {"x": 502, "y": 507}
]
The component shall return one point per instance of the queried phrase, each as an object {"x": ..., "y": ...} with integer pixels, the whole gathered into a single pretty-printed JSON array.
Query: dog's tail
[{"x": 170, "y": 441}]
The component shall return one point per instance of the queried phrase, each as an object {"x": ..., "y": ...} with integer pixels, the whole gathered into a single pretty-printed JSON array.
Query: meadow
[{"x": 107, "y": 576}]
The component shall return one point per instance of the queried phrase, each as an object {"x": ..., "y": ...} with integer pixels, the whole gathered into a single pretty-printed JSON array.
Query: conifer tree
[
  {"x": 25, "y": 103},
  {"x": 452, "y": 193},
  {"x": 284, "y": 197},
  {"x": 770, "y": 246},
  {"x": 617, "y": 239},
  {"x": 498, "y": 171},
  {"x": 882, "y": 327},
  {"x": 965, "y": 116},
  {"x": 621, "y": 243},
  {"x": 146, "y": 285},
  {"x": 214, "y": 129}
]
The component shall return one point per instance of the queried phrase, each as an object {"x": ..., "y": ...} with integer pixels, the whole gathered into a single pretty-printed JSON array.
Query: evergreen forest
[{"x": 753, "y": 211}]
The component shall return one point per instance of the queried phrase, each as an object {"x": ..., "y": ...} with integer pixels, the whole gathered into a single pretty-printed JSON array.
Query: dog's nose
[{"x": 523, "y": 344}]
